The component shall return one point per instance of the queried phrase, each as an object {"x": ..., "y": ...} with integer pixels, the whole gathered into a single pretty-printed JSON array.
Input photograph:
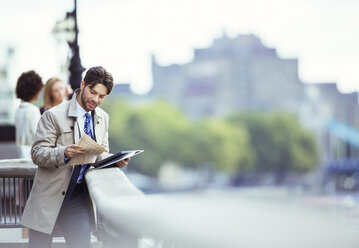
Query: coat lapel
[
  {"x": 73, "y": 115},
  {"x": 96, "y": 121}
]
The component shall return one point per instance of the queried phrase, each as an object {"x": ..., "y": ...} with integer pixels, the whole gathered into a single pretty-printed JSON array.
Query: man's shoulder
[
  {"x": 102, "y": 113},
  {"x": 59, "y": 110},
  {"x": 64, "y": 106}
]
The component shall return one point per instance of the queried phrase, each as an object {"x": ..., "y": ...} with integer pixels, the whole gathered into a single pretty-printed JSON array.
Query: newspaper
[{"x": 92, "y": 149}]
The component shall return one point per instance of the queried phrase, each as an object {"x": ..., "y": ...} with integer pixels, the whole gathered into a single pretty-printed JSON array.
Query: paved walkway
[{"x": 7, "y": 234}]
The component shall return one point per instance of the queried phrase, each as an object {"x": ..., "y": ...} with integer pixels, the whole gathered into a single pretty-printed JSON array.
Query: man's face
[{"x": 91, "y": 98}]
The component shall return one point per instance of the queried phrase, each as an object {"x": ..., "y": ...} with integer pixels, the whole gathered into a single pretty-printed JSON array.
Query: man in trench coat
[{"x": 59, "y": 194}]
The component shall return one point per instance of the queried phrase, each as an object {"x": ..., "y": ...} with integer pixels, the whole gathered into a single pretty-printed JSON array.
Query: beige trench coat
[{"x": 57, "y": 129}]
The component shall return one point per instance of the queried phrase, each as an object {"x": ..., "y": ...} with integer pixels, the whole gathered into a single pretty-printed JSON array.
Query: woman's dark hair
[
  {"x": 98, "y": 75},
  {"x": 28, "y": 85}
]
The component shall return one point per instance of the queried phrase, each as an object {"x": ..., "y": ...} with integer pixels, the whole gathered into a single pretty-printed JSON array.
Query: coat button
[{"x": 63, "y": 192}]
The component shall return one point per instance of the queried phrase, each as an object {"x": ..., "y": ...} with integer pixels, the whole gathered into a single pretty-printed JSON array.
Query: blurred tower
[
  {"x": 75, "y": 67},
  {"x": 7, "y": 91},
  {"x": 8, "y": 104},
  {"x": 67, "y": 30}
]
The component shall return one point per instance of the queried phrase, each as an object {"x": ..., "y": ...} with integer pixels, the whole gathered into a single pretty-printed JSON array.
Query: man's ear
[{"x": 82, "y": 86}]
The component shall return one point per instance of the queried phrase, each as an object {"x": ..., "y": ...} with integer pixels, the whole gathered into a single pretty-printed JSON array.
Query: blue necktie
[
  {"x": 87, "y": 126},
  {"x": 87, "y": 130}
]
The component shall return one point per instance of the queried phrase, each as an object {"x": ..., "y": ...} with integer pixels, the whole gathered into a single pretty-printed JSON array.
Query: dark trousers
[{"x": 74, "y": 221}]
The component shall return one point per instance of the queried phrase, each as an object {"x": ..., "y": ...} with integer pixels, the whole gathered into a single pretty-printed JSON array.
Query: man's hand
[
  {"x": 123, "y": 163},
  {"x": 72, "y": 151}
]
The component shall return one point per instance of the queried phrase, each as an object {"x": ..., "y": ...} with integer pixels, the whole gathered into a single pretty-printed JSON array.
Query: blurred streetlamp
[{"x": 67, "y": 30}]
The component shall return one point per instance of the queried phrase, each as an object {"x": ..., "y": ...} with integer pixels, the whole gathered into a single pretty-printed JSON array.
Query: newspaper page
[{"x": 92, "y": 149}]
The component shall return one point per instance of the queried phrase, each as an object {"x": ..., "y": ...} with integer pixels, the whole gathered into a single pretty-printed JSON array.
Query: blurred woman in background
[
  {"x": 55, "y": 93},
  {"x": 28, "y": 89}
]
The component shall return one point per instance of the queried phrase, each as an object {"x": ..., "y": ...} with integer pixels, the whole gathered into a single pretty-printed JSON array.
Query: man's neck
[{"x": 78, "y": 99}]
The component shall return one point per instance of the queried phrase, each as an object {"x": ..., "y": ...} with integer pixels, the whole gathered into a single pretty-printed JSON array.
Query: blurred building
[
  {"x": 242, "y": 74},
  {"x": 123, "y": 91},
  {"x": 231, "y": 75}
]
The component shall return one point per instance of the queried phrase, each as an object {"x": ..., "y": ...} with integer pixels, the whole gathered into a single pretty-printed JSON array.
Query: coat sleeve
[{"x": 44, "y": 151}]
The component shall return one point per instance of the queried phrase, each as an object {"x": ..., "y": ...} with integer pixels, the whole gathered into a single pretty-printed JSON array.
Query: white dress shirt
[
  {"x": 27, "y": 116},
  {"x": 80, "y": 112}
]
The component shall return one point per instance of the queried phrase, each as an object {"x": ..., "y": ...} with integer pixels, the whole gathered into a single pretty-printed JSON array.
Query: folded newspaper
[{"x": 92, "y": 149}]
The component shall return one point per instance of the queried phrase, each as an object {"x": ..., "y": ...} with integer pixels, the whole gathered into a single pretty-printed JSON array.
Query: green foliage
[
  {"x": 157, "y": 129},
  {"x": 222, "y": 144},
  {"x": 279, "y": 142},
  {"x": 252, "y": 141},
  {"x": 166, "y": 135}
]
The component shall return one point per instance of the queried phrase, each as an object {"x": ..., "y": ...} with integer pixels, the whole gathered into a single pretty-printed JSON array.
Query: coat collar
[{"x": 72, "y": 107}]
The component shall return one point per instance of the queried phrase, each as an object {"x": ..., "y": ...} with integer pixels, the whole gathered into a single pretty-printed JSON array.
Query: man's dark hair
[
  {"x": 98, "y": 75},
  {"x": 28, "y": 85}
]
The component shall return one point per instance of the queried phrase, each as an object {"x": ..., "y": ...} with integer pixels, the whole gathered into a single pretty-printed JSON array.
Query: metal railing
[{"x": 16, "y": 176}]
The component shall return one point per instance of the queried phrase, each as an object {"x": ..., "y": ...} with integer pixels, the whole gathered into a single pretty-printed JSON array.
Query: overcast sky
[{"x": 121, "y": 34}]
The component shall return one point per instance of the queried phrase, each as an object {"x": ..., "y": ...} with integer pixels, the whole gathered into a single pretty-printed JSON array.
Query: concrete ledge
[
  {"x": 17, "y": 168},
  {"x": 55, "y": 244}
]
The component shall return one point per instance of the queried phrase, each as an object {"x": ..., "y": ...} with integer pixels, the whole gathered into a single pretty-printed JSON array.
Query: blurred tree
[
  {"x": 280, "y": 143},
  {"x": 166, "y": 135},
  {"x": 158, "y": 129},
  {"x": 224, "y": 145},
  {"x": 261, "y": 142}
]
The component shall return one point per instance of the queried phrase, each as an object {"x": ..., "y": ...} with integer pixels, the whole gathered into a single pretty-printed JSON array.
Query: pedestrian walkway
[
  {"x": 10, "y": 234},
  {"x": 12, "y": 238}
]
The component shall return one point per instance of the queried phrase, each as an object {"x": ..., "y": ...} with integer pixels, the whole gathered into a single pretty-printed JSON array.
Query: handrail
[
  {"x": 17, "y": 168},
  {"x": 105, "y": 187},
  {"x": 210, "y": 219}
]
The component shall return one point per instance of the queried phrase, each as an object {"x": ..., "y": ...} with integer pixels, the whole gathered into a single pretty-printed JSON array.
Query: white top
[
  {"x": 26, "y": 118},
  {"x": 80, "y": 112}
]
